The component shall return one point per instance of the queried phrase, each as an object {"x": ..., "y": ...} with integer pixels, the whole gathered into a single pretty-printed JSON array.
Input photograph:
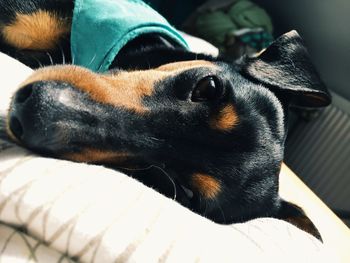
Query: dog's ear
[
  {"x": 286, "y": 69},
  {"x": 296, "y": 216}
]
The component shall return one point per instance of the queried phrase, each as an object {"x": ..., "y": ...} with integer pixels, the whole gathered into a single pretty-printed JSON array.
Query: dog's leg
[{"x": 36, "y": 32}]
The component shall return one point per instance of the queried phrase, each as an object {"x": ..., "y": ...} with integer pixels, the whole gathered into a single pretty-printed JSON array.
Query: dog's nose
[
  {"x": 31, "y": 110},
  {"x": 24, "y": 93},
  {"x": 21, "y": 109}
]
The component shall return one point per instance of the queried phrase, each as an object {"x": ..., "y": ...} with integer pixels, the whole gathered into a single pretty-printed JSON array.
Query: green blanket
[{"x": 100, "y": 29}]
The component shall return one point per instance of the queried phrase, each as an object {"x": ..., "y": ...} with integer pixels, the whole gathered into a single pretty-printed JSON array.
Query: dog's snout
[
  {"x": 16, "y": 127},
  {"x": 32, "y": 111},
  {"x": 29, "y": 93},
  {"x": 24, "y": 93},
  {"x": 20, "y": 118},
  {"x": 49, "y": 116}
]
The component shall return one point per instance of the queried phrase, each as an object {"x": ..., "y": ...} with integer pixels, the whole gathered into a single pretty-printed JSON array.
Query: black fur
[{"x": 174, "y": 140}]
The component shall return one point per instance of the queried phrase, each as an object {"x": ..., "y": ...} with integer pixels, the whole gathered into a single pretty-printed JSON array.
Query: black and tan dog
[{"x": 209, "y": 131}]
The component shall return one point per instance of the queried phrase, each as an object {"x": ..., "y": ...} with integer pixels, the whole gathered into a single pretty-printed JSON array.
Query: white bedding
[{"x": 59, "y": 211}]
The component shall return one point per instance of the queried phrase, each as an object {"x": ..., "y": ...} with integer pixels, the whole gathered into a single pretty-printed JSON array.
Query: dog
[{"x": 206, "y": 131}]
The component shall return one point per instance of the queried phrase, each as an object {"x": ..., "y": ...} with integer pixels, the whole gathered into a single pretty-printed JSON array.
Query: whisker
[
  {"x": 63, "y": 56},
  {"x": 135, "y": 169},
  {"x": 153, "y": 166},
  {"x": 40, "y": 65},
  {"x": 171, "y": 180},
  {"x": 37, "y": 60},
  {"x": 222, "y": 211},
  {"x": 155, "y": 140},
  {"x": 51, "y": 60},
  {"x": 201, "y": 202}
]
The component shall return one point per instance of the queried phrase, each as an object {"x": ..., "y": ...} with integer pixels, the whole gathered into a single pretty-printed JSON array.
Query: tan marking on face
[
  {"x": 40, "y": 30},
  {"x": 226, "y": 119},
  {"x": 124, "y": 89},
  {"x": 185, "y": 65},
  {"x": 206, "y": 185},
  {"x": 90, "y": 155}
]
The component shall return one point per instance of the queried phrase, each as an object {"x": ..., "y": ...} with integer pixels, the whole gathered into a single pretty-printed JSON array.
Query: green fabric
[
  {"x": 246, "y": 14},
  {"x": 222, "y": 26},
  {"x": 215, "y": 26},
  {"x": 100, "y": 28}
]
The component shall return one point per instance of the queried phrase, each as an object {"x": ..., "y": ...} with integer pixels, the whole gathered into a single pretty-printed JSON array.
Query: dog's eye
[{"x": 208, "y": 88}]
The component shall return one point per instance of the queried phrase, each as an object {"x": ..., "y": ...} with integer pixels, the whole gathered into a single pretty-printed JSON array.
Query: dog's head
[{"x": 216, "y": 129}]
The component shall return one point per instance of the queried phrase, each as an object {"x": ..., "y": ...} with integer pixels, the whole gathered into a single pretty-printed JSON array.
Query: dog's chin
[{"x": 162, "y": 179}]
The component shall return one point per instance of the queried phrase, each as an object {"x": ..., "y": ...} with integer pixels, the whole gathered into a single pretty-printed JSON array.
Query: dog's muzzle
[{"x": 39, "y": 113}]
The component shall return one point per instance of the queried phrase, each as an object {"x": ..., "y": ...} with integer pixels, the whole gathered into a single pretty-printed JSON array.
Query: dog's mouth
[
  {"x": 173, "y": 185},
  {"x": 186, "y": 197},
  {"x": 188, "y": 192}
]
